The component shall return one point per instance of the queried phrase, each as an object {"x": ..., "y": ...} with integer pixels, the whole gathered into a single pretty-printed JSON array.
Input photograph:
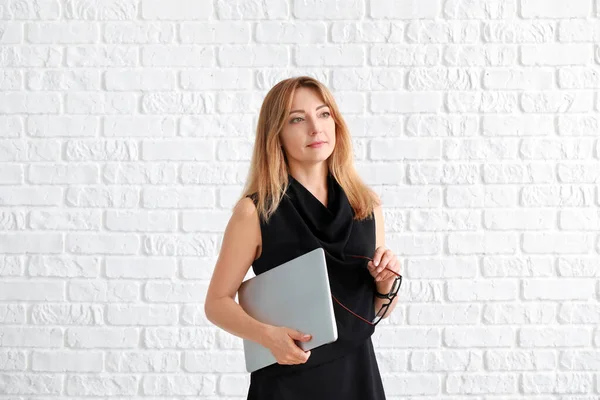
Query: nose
[{"x": 314, "y": 126}]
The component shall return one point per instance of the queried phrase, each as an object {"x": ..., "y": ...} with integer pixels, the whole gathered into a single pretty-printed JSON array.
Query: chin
[
  {"x": 322, "y": 152},
  {"x": 313, "y": 160}
]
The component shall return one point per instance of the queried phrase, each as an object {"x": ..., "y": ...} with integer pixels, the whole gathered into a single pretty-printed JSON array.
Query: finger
[
  {"x": 298, "y": 352},
  {"x": 372, "y": 269},
  {"x": 388, "y": 256},
  {"x": 300, "y": 356},
  {"x": 297, "y": 335},
  {"x": 378, "y": 254},
  {"x": 385, "y": 275},
  {"x": 304, "y": 356},
  {"x": 390, "y": 269},
  {"x": 393, "y": 268}
]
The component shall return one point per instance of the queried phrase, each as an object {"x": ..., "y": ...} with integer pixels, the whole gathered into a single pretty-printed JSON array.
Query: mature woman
[{"x": 302, "y": 193}]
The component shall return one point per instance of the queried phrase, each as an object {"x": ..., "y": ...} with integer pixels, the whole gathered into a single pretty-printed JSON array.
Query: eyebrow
[{"x": 321, "y": 106}]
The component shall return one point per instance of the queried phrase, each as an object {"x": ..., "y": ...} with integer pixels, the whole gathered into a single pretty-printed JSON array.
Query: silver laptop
[{"x": 294, "y": 294}]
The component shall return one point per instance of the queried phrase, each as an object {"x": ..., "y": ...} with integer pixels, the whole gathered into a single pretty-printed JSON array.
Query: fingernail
[{"x": 376, "y": 263}]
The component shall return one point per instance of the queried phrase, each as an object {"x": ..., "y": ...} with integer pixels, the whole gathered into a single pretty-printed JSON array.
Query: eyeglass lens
[
  {"x": 380, "y": 314},
  {"x": 395, "y": 286}
]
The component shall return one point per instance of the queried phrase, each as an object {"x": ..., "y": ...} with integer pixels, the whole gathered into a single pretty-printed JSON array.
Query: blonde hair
[{"x": 268, "y": 175}]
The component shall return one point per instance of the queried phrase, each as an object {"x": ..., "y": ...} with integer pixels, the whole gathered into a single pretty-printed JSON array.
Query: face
[{"x": 309, "y": 122}]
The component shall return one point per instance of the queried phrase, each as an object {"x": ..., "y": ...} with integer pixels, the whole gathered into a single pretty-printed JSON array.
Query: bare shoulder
[
  {"x": 245, "y": 220},
  {"x": 377, "y": 209},
  {"x": 238, "y": 251},
  {"x": 245, "y": 208},
  {"x": 379, "y": 226},
  {"x": 378, "y": 214}
]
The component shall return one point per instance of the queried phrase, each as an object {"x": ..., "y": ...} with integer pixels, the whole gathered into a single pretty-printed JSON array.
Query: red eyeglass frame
[{"x": 386, "y": 306}]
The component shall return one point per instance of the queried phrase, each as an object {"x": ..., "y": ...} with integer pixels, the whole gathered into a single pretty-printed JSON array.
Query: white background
[{"x": 126, "y": 128}]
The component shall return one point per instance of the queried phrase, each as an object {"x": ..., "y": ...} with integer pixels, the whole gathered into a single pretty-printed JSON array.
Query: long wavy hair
[{"x": 268, "y": 175}]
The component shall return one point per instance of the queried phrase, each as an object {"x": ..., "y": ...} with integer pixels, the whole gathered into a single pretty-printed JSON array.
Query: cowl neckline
[{"x": 331, "y": 225}]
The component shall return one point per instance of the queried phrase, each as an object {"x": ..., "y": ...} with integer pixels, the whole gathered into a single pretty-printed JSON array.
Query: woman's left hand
[{"x": 383, "y": 258}]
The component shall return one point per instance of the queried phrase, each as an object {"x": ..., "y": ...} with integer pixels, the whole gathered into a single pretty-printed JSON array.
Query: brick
[
  {"x": 132, "y": 32},
  {"x": 517, "y": 125},
  {"x": 176, "y": 9},
  {"x": 557, "y": 54},
  {"x": 142, "y": 268},
  {"x": 253, "y": 56},
  {"x": 129, "y": 80},
  {"x": 103, "y": 337},
  {"x": 250, "y": 9},
  {"x": 103, "y": 291},
  {"x": 412, "y": 102},
  {"x": 405, "y": 149},
  {"x": 482, "y": 290},
  {"x": 336, "y": 9},
  {"x": 63, "y": 80},
  {"x": 514, "y": 31},
  {"x": 430, "y": 31},
  {"x": 367, "y": 32},
  {"x": 404, "y": 55},
  {"x": 520, "y": 360},
  {"x": 142, "y": 361},
  {"x": 512, "y": 79},
  {"x": 482, "y": 383},
  {"x": 90, "y": 103},
  {"x": 177, "y": 150},
  {"x": 30, "y": 56},
  {"x": 62, "y": 33},
  {"x": 102, "y": 243},
  {"x": 101, "y": 56},
  {"x": 106, "y": 11},
  {"x": 94, "y": 385},
  {"x": 480, "y": 9},
  {"x": 555, "y": 9},
  {"x": 405, "y": 10},
  {"x": 31, "y": 9},
  {"x": 141, "y": 315},
  {"x": 66, "y": 361}
]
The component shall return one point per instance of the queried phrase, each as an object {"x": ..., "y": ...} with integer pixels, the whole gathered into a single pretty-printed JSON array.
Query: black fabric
[
  {"x": 300, "y": 224},
  {"x": 354, "y": 376}
]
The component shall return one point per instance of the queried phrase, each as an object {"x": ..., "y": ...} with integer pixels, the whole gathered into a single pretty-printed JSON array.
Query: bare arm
[
  {"x": 238, "y": 250},
  {"x": 385, "y": 286}
]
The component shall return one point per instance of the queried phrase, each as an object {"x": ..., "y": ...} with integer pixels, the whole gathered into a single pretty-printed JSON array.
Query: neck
[{"x": 314, "y": 179}]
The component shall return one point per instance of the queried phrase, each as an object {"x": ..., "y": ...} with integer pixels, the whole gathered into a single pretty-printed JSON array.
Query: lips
[{"x": 316, "y": 143}]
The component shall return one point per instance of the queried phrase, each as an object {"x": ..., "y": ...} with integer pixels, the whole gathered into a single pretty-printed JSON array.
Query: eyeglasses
[{"x": 391, "y": 295}]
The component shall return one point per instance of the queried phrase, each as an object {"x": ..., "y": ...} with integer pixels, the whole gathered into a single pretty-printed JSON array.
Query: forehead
[{"x": 306, "y": 95}]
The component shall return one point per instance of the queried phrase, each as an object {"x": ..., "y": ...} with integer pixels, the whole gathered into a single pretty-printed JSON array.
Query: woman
[{"x": 303, "y": 193}]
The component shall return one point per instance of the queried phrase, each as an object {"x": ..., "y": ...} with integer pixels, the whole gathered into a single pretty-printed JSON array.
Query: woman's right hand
[{"x": 280, "y": 340}]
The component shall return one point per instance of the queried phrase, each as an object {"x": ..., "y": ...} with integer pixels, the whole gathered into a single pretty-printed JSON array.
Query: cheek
[
  {"x": 291, "y": 142},
  {"x": 285, "y": 137}
]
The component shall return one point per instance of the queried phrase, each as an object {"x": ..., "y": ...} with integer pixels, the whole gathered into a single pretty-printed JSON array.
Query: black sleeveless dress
[{"x": 347, "y": 368}]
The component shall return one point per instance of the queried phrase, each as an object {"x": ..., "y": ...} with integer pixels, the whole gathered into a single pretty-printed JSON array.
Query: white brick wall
[{"x": 126, "y": 129}]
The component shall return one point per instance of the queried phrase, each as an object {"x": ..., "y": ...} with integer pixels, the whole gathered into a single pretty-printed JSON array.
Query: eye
[{"x": 293, "y": 120}]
